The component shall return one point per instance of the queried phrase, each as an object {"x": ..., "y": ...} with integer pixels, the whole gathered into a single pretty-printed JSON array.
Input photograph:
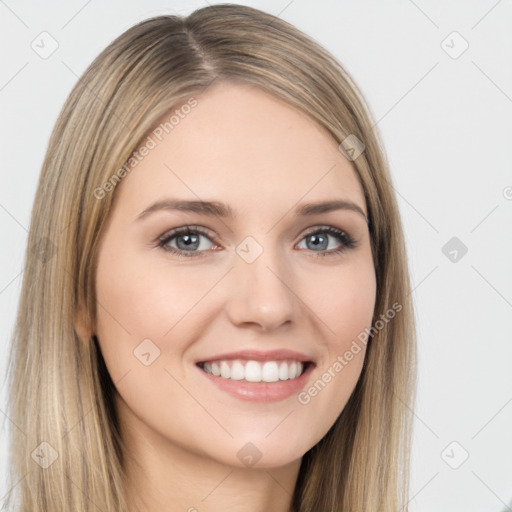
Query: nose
[{"x": 261, "y": 293}]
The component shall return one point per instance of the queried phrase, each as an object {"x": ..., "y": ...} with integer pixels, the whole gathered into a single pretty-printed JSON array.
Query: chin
[{"x": 265, "y": 454}]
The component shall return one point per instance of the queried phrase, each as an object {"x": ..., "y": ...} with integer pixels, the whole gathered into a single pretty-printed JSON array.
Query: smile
[{"x": 254, "y": 371}]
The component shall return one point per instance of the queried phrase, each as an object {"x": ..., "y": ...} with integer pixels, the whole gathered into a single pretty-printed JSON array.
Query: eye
[
  {"x": 193, "y": 241},
  {"x": 187, "y": 241},
  {"x": 318, "y": 241}
]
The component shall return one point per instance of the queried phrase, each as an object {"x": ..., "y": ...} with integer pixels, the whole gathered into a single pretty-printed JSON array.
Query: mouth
[
  {"x": 256, "y": 376},
  {"x": 255, "y": 371}
]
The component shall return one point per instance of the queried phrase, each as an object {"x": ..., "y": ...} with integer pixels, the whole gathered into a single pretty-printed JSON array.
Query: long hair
[{"x": 66, "y": 448}]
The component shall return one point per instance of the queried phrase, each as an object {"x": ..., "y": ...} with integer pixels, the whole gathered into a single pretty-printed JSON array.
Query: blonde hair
[{"x": 61, "y": 394}]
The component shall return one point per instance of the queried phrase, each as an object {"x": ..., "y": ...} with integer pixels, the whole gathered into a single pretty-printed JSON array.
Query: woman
[{"x": 181, "y": 342}]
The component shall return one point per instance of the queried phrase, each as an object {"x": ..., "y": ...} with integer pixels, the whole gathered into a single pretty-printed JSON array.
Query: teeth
[
  {"x": 215, "y": 369},
  {"x": 237, "y": 371},
  {"x": 270, "y": 372},
  {"x": 292, "y": 372},
  {"x": 283, "y": 371},
  {"x": 225, "y": 372},
  {"x": 254, "y": 371}
]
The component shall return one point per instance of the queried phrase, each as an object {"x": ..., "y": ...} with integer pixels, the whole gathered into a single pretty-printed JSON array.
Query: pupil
[
  {"x": 318, "y": 241},
  {"x": 190, "y": 240}
]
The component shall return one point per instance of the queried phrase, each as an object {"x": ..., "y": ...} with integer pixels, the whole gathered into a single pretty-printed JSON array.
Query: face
[{"x": 255, "y": 285}]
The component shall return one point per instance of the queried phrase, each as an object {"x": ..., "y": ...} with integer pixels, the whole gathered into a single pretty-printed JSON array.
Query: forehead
[{"x": 243, "y": 146}]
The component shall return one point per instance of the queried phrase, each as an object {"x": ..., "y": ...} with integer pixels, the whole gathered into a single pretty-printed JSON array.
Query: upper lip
[{"x": 260, "y": 355}]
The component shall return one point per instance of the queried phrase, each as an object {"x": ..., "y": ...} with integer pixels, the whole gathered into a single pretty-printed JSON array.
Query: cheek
[
  {"x": 344, "y": 302},
  {"x": 343, "y": 305},
  {"x": 138, "y": 302},
  {"x": 140, "y": 299},
  {"x": 143, "y": 325}
]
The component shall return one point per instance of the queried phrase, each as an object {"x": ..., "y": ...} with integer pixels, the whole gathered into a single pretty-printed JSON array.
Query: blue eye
[
  {"x": 319, "y": 238},
  {"x": 186, "y": 241}
]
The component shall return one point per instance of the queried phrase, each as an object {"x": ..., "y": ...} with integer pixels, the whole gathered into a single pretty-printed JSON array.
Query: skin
[{"x": 246, "y": 148}]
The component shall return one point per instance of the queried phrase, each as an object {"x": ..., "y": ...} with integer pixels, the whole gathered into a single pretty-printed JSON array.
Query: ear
[{"x": 82, "y": 323}]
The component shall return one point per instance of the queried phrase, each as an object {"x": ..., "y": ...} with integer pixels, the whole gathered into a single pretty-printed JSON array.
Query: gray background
[{"x": 444, "y": 114}]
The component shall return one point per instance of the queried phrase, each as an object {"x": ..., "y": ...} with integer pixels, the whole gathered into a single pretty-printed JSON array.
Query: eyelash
[{"x": 347, "y": 242}]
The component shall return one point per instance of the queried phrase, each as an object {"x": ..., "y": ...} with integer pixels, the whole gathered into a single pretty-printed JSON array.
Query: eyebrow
[{"x": 218, "y": 209}]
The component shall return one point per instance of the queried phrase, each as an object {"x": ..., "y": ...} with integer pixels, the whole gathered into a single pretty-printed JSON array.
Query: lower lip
[{"x": 260, "y": 391}]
